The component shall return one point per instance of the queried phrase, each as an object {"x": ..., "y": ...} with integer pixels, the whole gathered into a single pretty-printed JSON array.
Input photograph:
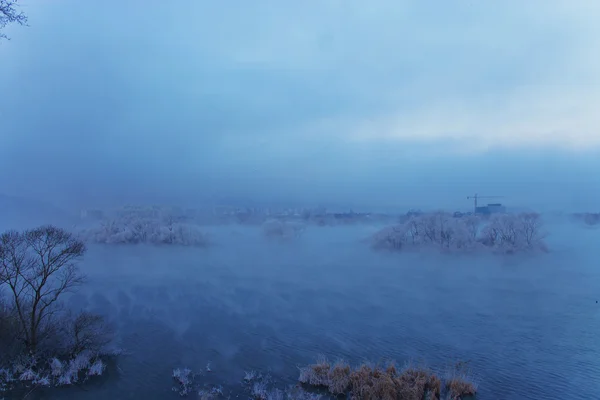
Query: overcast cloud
[{"x": 378, "y": 103}]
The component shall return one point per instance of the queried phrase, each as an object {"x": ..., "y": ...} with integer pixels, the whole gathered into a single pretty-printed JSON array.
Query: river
[{"x": 527, "y": 325}]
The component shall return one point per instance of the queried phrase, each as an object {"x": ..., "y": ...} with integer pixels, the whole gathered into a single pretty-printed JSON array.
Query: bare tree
[
  {"x": 38, "y": 266},
  {"x": 169, "y": 223},
  {"x": 472, "y": 223},
  {"x": 446, "y": 230},
  {"x": 429, "y": 228},
  {"x": 140, "y": 229},
  {"x": 414, "y": 229},
  {"x": 507, "y": 228},
  {"x": 10, "y": 14},
  {"x": 87, "y": 332},
  {"x": 397, "y": 237},
  {"x": 531, "y": 224}
]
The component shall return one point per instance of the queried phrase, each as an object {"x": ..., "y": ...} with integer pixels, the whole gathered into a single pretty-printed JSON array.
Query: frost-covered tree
[
  {"x": 151, "y": 225},
  {"x": 504, "y": 233}
]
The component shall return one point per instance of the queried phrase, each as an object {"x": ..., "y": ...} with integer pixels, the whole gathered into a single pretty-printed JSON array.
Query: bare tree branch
[
  {"x": 90, "y": 332},
  {"x": 9, "y": 14}
]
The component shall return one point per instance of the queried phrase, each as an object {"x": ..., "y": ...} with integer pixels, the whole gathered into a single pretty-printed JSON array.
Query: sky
[{"x": 386, "y": 103}]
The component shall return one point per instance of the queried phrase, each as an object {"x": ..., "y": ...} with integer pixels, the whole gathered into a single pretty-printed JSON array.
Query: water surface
[{"x": 527, "y": 325}]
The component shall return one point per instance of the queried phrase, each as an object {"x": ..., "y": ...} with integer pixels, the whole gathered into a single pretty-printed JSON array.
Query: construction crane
[{"x": 476, "y": 196}]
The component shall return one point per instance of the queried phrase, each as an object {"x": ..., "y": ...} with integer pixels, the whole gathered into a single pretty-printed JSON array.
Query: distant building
[
  {"x": 414, "y": 213},
  {"x": 495, "y": 208}
]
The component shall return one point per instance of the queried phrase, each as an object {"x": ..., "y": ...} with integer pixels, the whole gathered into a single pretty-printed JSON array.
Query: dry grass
[
  {"x": 373, "y": 383},
  {"x": 419, "y": 384},
  {"x": 340, "y": 378},
  {"x": 459, "y": 388},
  {"x": 316, "y": 374}
]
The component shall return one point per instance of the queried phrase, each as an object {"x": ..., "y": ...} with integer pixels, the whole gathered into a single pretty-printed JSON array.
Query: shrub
[
  {"x": 375, "y": 383},
  {"x": 86, "y": 332},
  {"x": 458, "y": 388},
  {"x": 10, "y": 343},
  {"x": 339, "y": 378},
  {"x": 316, "y": 374},
  {"x": 458, "y": 384},
  {"x": 28, "y": 370},
  {"x": 185, "y": 381}
]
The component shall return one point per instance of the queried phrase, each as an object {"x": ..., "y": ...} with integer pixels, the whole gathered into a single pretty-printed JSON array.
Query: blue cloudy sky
[{"x": 385, "y": 102}]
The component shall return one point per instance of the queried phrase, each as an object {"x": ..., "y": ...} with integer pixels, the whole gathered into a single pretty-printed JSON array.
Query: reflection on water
[{"x": 527, "y": 325}]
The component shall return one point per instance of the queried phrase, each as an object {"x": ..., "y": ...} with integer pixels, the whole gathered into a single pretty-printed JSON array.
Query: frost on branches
[
  {"x": 29, "y": 371},
  {"x": 153, "y": 225},
  {"x": 506, "y": 233}
]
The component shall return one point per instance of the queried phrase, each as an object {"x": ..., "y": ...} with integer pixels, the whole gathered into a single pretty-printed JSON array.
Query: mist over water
[
  {"x": 383, "y": 106},
  {"x": 526, "y": 324}
]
